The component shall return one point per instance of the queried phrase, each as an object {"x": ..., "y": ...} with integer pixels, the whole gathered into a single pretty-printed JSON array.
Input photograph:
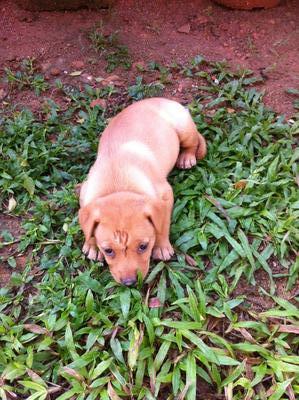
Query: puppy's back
[{"x": 147, "y": 130}]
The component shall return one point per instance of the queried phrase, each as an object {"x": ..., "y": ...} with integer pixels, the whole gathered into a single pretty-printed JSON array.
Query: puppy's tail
[{"x": 202, "y": 147}]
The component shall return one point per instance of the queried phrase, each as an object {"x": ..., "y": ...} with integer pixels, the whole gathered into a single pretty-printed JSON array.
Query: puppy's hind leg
[{"x": 192, "y": 143}]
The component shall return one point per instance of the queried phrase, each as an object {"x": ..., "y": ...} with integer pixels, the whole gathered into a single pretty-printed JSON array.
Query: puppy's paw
[
  {"x": 92, "y": 252},
  {"x": 186, "y": 160},
  {"x": 163, "y": 252}
]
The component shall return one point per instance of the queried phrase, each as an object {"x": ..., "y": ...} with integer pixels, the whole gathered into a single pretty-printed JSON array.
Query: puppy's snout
[{"x": 128, "y": 281}]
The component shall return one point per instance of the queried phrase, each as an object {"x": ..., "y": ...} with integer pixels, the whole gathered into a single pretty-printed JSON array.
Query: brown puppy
[{"x": 126, "y": 201}]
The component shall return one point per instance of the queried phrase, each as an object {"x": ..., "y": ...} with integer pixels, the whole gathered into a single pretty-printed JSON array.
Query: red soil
[{"x": 265, "y": 41}]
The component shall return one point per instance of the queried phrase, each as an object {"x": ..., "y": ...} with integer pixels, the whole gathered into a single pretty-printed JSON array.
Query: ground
[
  {"x": 265, "y": 41},
  {"x": 224, "y": 308}
]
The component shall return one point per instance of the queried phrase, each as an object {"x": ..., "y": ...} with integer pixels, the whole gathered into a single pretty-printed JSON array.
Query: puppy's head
[{"x": 123, "y": 227}]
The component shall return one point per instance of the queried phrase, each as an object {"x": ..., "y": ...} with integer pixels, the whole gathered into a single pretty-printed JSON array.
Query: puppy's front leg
[
  {"x": 162, "y": 249},
  {"x": 161, "y": 219},
  {"x": 91, "y": 250}
]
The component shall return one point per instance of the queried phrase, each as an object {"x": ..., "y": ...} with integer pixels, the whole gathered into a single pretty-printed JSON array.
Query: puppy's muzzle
[{"x": 128, "y": 281}]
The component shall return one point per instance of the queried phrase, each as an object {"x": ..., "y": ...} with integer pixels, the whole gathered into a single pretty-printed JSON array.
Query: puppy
[{"x": 126, "y": 201}]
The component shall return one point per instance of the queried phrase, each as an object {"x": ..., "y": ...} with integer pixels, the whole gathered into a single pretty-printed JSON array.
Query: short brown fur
[{"x": 126, "y": 201}]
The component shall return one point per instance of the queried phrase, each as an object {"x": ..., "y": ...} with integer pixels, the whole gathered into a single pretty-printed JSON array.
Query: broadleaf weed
[{"x": 68, "y": 330}]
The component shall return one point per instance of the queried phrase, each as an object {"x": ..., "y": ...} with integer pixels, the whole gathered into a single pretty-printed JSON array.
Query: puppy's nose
[{"x": 128, "y": 281}]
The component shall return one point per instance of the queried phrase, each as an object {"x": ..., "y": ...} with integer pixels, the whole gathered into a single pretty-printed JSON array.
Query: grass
[
  {"x": 295, "y": 93},
  {"x": 26, "y": 77},
  {"x": 73, "y": 333},
  {"x": 140, "y": 90},
  {"x": 116, "y": 54}
]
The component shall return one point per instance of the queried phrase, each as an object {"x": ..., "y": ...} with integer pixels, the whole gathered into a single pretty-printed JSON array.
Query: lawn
[{"x": 197, "y": 327}]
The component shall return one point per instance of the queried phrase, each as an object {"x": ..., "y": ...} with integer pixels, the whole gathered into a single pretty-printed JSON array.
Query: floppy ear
[
  {"x": 89, "y": 217},
  {"x": 154, "y": 212}
]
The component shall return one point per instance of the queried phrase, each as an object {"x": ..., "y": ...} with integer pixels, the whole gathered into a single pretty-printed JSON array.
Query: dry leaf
[
  {"x": 113, "y": 80},
  {"x": 290, "y": 392},
  {"x": 228, "y": 390},
  {"x": 33, "y": 375},
  {"x": 76, "y": 73},
  {"x": 183, "y": 393},
  {"x": 77, "y": 64},
  {"x": 99, "y": 79},
  {"x": 153, "y": 381},
  {"x": 140, "y": 66},
  {"x": 73, "y": 373},
  {"x": 154, "y": 302},
  {"x": 286, "y": 328},
  {"x": 185, "y": 28},
  {"x": 111, "y": 392},
  {"x": 247, "y": 335},
  {"x": 218, "y": 206},
  {"x": 190, "y": 260},
  {"x": 240, "y": 184},
  {"x": 253, "y": 360},
  {"x": 99, "y": 102},
  {"x": 11, "y": 204},
  {"x": 230, "y": 110},
  {"x": 3, "y": 94},
  {"x": 211, "y": 112},
  {"x": 36, "y": 329},
  {"x": 134, "y": 347}
]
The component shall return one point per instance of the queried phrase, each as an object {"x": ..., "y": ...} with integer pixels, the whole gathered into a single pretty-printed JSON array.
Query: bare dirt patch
[{"x": 263, "y": 40}]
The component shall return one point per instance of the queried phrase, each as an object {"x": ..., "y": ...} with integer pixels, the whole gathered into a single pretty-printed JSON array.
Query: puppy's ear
[
  {"x": 154, "y": 212},
  {"x": 89, "y": 217}
]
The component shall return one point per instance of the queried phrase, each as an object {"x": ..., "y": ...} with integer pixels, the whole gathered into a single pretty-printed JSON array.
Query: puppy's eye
[
  {"x": 109, "y": 252},
  {"x": 142, "y": 247}
]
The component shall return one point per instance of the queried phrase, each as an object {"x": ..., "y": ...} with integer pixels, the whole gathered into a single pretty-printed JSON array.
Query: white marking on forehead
[
  {"x": 121, "y": 237},
  {"x": 139, "y": 149}
]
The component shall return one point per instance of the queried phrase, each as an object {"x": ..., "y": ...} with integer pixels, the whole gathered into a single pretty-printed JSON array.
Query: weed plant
[
  {"x": 71, "y": 332},
  {"x": 116, "y": 54}
]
